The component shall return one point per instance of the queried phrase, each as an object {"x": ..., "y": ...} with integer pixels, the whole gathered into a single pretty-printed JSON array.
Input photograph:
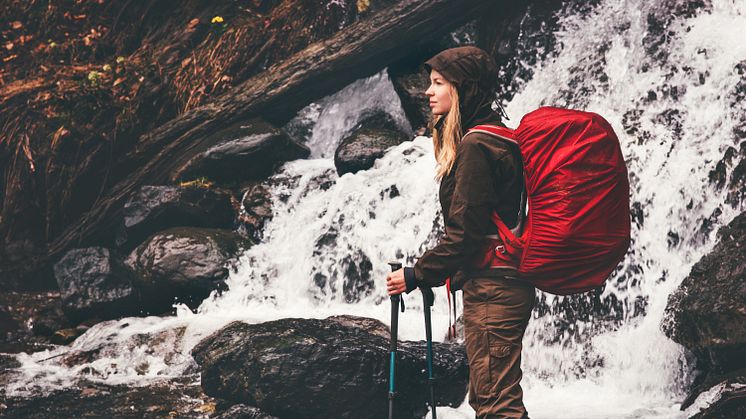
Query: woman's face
[{"x": 438, "y": 92}]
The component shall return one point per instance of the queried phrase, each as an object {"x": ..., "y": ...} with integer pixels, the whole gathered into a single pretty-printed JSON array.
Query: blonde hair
[{"x": 448, "y": 136}]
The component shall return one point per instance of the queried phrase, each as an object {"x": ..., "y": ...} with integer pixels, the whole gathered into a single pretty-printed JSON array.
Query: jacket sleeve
[{"x": 468, "y": 221}]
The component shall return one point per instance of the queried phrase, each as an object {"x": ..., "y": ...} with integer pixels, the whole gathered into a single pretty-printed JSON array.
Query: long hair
[{"x": 447, "y": 137}]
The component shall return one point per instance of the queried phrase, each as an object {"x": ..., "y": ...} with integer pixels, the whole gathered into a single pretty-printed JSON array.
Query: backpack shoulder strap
[
  {"x": 503, "y": 133},
  {"x": 507, "y": 135}
]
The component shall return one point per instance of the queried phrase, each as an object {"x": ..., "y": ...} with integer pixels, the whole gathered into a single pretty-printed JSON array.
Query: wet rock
[
  {"x": 367, "y": 143},
  {"x": 369, "y": 325},
  {"x": 256, "y": 210},
  {"x": 66, "y": 336},
  {"x": 248, "y": 150},
  {"x": 737, "y": 185},
  {"x": 49, "y": 319},
  {"x": 166, "y": 343},
  {"x": 241, "y": 411},
  {"x": 707, "y": 313},
  {"x": 155, "y": 208},
  {"x": 310, "y": 368},
  {"x": 177, "y": 398},
  {"x": 410, "y": 83},
  {"x": 183, "y": 265},
  {"x": 93, "y": 281},
  {"x": 731, "y": 402}
]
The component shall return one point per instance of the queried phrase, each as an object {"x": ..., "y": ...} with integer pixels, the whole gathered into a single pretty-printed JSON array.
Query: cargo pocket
[{"x": 499, "y": 363}]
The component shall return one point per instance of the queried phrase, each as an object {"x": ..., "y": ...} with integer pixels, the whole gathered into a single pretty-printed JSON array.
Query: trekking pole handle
[{"x": 395, "y": 266}]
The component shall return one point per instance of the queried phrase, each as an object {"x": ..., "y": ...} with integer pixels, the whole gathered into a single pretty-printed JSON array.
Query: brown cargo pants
[{"x": 496, "y": 313}]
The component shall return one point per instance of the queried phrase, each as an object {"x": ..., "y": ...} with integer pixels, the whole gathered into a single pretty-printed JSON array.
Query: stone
[
  {"x": 155, "y": 208},
  {"x": 368, "y": 142},
  {"x": 410, "y": 83},
  {"x": 256, "y": 210},
  {"x": 182, "y": 264},
  {"x": 66, "y": 336},
  {"x": 372, "y": 326},
  {"x": 707, "y": 313},
  {"x": 312, "y": 368},
  {"x": 167, "y": 398},
  {"x": 731, "y": 400},
  {"x": 93, "y": 281},
  {"x": 243, "y": 151},
  {"x": 241, "y": 411}
]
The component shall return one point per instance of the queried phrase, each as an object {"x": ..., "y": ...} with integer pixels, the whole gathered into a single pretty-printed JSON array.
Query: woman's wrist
[{"x": 410, "y": 279}]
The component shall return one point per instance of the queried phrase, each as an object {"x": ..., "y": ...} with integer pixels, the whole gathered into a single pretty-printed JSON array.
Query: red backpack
[{"x": 578, "y": 224}]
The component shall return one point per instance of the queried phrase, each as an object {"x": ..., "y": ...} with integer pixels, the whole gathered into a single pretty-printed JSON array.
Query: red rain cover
[{"x": 578, "y": 225}]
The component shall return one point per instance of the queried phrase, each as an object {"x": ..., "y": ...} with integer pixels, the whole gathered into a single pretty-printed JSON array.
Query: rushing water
[{"x": 669, "y": 94}]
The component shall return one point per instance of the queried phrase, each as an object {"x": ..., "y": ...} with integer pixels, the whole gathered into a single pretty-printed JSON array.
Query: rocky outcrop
[
  {"x": 310, "y": 368},
  {"x": 368, "y": 142},
  {"x": 707, "y": 313},
  {"x": 155, "y": 208},
  {"x": 182, "y": 264},
  {"x": 241, "y": 411},
  {"x": 93, "y": 281},
  {"x": 175, "y": 398},
  {"x": 244, "y": 151},
  {"x": 166, "y": 132}
]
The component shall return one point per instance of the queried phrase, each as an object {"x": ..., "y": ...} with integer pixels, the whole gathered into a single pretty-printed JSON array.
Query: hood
[{"x": 474, "y": 74}]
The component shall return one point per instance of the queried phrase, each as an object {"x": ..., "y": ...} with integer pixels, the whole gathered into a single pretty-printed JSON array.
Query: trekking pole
[
  {"x": 395, "y": 299},
  {"x": 428, "y": 299}
]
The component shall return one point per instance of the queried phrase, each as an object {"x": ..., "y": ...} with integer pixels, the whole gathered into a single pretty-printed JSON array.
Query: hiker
[{"x": 477, "y": 174}]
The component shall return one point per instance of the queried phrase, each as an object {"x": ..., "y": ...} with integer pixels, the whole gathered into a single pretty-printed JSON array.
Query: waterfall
[{"x": 663, "y": 73}]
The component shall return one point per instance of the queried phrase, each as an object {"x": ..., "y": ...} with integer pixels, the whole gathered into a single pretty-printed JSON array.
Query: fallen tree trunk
[{"x": 359, "y": 50}]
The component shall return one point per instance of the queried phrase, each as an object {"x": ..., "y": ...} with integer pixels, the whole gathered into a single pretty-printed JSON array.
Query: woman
[{"x": 478, "y": 174}]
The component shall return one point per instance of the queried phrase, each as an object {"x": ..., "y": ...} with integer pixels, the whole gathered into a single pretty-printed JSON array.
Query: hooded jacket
[{"x": 487, "y": 175}]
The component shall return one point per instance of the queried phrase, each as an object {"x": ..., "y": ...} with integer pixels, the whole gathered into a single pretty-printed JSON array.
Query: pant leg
[{"x": 496, "y": 313}]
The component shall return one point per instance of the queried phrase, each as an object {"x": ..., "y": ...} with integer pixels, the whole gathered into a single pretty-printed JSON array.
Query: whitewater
[{"x": 675, "y": 119}]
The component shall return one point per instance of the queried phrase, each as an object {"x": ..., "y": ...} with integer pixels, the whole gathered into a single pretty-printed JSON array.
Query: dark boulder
[
  {"x": 707, "y": 313},
  {"x": 368, "y": 142},
  {"x": 256, "y": 210},
  {"x": 241, "y": 411},
  {"x": 174, "y": 398},
  {"x": 311, "y": 368},
  {"x": 93, "y": 281},
  {"x": 244, "y": 151},
  {"x": 410, "y": 83},
  {"x": 182, "y": 264},
  {"x": 155, "y": 208},
  {"x": 730, "y": 402}
]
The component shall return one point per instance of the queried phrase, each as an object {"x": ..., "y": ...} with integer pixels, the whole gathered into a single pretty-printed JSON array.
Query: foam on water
[{"x": 328, "y": 229}]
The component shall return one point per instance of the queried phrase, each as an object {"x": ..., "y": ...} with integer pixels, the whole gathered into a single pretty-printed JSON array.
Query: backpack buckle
[{"x": 500, "y": 248}]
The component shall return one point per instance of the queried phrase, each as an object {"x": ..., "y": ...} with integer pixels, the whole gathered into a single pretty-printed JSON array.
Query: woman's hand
[{"x": 395, "y": 282}]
